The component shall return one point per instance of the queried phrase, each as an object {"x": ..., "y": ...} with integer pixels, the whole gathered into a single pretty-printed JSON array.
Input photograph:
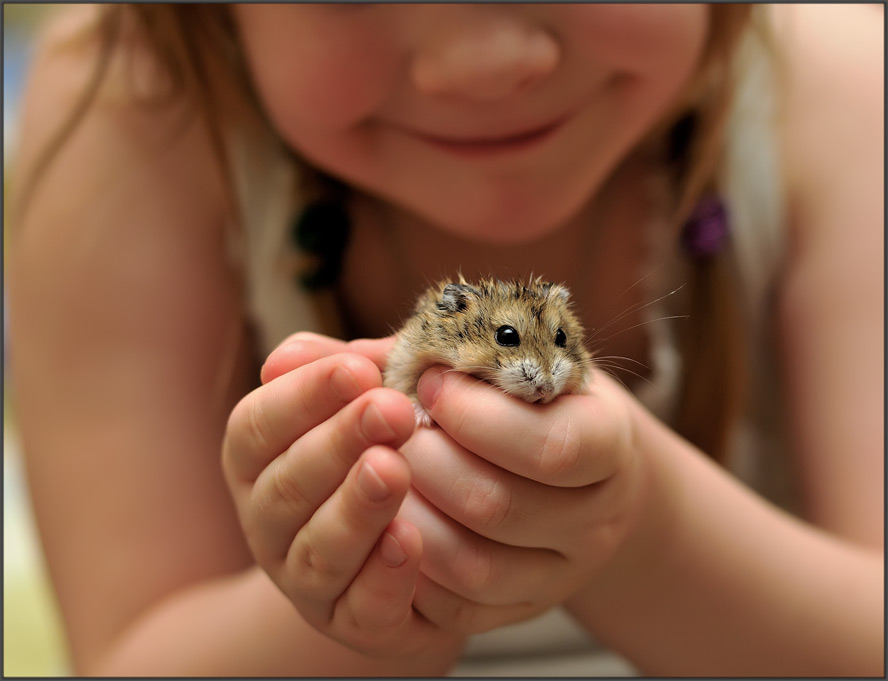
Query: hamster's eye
[
  {"x": 506, "y": 335},
  {"x": 560, "y": 338}
]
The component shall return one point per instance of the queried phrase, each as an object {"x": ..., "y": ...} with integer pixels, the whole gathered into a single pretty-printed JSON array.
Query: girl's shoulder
[
  {"x": 831, "y": 62},
  {"x": 92, "y": 117},
  {"x": 106, "y": 196}
]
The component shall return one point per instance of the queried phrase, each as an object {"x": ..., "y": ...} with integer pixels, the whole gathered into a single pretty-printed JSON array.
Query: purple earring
[{"x": 707, "y": 230}]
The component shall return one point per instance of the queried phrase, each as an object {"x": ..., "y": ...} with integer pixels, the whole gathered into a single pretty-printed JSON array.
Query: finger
[
  {"x": 376, "y": 349},
  {"x": 272, "y": 417},
  {"x": 331, "y": 548},
  {"x": 477, "y": 568},
  {"x": 305, "y": 347},
  {"x": 296, "y": 484},
  {"x": 296, "y": 351},
  {"x": 575, "y": 440},
  {"x": 377, "y": 611},
  {"x": 501, "y": 505},
  {"x": 456, "y": 614},
  {"x": 380, "y": 598}
]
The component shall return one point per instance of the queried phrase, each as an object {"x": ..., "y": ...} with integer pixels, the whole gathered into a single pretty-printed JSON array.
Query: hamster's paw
[{"x": 423, "y": 420}]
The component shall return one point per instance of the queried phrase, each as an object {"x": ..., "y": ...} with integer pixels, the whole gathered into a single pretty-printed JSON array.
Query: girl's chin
[
  {"x": 498, "y": 231},
  {"x": 502, "y": 227}
]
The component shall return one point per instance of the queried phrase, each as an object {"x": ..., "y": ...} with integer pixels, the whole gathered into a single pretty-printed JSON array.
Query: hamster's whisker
[
  {"x": 639, "y": 280},
  {"x": 635, "y": 326},
  {"x": 635, "y": 308},
  {"x": 609, "y": 370},
  {"x": 632, "y": 310},
  {"x": 611, "y": 367},
  {"x": 620, "y": 357}
]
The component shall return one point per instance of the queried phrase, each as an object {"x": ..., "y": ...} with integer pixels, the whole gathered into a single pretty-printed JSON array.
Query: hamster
[{"x": 521, "y": 337}]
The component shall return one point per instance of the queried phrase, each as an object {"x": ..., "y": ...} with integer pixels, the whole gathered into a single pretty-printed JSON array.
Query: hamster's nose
[
  {"x": 490, "y": 58},
  {"x": 545, "y": 393}
]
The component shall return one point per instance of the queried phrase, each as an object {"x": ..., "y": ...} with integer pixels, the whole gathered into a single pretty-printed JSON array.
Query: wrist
[{"x": 649, "y": 532}]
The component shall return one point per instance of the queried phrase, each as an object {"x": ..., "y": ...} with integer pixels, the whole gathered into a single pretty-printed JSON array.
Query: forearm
[
  {"x": 717, "y": 581},
  {"x": 242, "y": 626}
]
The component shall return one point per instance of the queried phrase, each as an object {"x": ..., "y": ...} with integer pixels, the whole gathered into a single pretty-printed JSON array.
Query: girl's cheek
[
  {"x": 637, "y": 38},
  {"x": 314, "y": 65}
]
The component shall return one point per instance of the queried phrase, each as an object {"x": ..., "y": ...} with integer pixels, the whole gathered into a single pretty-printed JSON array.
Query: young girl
[{"x": 204, "y": 190}]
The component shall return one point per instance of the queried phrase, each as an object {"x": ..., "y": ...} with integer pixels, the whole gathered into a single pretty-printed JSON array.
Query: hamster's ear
[
  {"x": 556, "y": 290},
  {"x": 455, "y": 297}
]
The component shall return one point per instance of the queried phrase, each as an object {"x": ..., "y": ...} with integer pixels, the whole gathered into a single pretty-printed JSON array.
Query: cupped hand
[
  {"x": 311, "y": 460},
  {"x": 519, "y": 504}
]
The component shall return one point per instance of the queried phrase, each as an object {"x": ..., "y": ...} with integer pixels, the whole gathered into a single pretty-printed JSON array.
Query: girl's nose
[{"x": 488, "y": 59}]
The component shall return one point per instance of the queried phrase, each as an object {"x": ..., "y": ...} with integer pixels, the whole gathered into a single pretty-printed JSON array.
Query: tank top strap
[{"x": 266, "y": 182}]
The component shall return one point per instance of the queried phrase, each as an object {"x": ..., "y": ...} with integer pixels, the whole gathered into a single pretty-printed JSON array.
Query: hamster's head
[{"x": 523, "y": 338}]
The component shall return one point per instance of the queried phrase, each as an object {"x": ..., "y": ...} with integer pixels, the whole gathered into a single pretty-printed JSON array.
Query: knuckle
[
  {"x": 284, "y": 489},
  {"x": 559, "y": 451},
  {"x": 349, "y": 621},
  {"x": 298, "y": 403},
  {"x": 362, "y": 636},
  {"x": 357, "y": 364},
  {"x": 370, "y": 642},
  {"x": 309, "y": 568},
  {"x": 384, "y": 616},
  {"x": 460, "y": 413},
  {"x": 488, "y": 502},
  {"x": 346, "y": 439},
  {"x": 455, "y": 400},
  {"x": 242, "y": 436},
  {"x": 474, "y": 567},
  {"x": 256, "y": 424},
  {"x": 236, "y": 419}
]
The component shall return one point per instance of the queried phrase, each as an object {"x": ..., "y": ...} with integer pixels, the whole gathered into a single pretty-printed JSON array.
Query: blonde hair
[
  {"x": 713, "y": 342},
  {"x": 198, "y": 50}
]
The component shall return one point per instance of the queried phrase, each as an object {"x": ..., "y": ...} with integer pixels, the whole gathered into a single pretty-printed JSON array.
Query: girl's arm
[
  {"x": 716, "y": 581},
  {"x": 123, "y": 319},
  {"x": 831, "y": 314},
  {"x": 242, "y": 625},
  {"x": 724, "y": 583}
]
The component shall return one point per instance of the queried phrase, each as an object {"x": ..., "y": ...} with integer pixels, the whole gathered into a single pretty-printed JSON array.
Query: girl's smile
[{"x": 492, "y": 145}]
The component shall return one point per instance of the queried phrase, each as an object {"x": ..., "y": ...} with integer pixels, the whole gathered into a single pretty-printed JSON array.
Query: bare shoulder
[
  {"x": 119, "y": 134},
  {"x": 128, "y": 187},
  {"x": 834, "y": 99},
  {"x": 832, "y": 132},
  {"x": 131, "y": 191}
]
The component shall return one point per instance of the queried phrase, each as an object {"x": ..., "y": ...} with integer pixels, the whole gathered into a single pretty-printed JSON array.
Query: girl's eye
[
  {"x": 560, "y": 338},
  {"x": 506, "y": 335}
]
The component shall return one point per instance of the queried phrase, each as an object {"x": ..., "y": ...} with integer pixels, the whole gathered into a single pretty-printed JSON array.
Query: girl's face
[{"x": 495, "y": 122}]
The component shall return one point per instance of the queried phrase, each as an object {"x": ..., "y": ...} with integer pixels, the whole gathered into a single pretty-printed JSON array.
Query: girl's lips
[{"x": 491, "y": 146}]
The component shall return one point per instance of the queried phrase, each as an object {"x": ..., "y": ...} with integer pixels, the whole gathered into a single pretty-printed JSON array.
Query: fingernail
[
  {"x": 390, "y": 551},
  {"x": 344, "y": 384},
  {"x": 374, "y": 426},
  {"x": 429, "y": 387},
  {"x": 371, "y": 484}
]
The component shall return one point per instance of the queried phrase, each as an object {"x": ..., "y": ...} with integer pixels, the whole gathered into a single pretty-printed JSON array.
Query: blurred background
[{"x": 33, "y": 644}]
